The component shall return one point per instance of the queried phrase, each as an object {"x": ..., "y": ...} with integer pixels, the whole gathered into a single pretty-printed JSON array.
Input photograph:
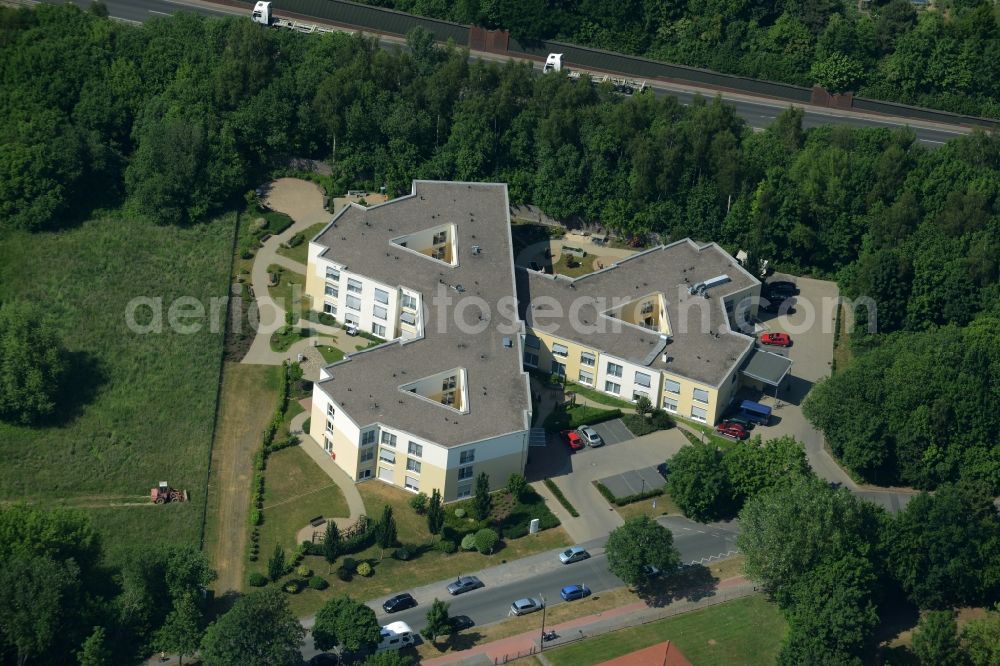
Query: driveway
[{"x": 575, "y": 473}]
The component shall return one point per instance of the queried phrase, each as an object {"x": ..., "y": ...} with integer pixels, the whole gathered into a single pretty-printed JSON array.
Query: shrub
[
  {"x": 516, "y": 485},
  {"x": 318, "y": 583},
  {"x": 256, "y": 518},
  {"x": 257, "y": 579},
  {"x": 460, "y": 512},
  {"x": 345, "y": 574},
  {"x": 557, "y": 492},
  {"x": 303, "y": 571},
  {"x": 402, "y": 554},
  {"x": 486, "y": 540},
  {"x": 364, "y": 569},
  {"x": 446, "y": 546},
  {"x": 419, "y": 503},
  {"x": 296, "y": 240},
  {"x": 516, "y": 531},
  {"x": 469, "y": 542},
  {"x": 292, "y": 587}
]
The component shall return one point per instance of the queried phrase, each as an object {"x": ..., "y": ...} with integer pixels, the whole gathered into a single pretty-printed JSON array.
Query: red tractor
[{"x": 164, "y": 494}]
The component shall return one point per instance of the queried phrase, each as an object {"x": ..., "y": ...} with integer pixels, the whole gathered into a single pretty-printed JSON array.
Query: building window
[
  {"x": 642, "y": 379},
  {"x": 530, "y": 360},
  {"x": 438, "y": 254},
  {"x": 330, "y": 411},
  {"x": 380, "y": 312},
  {"x": 440, "y": 237},
  {"x": 367, "y": 455},
  {"x": 330, "y": 309},
  {"x": 699, "y": 414},
  {"x": 448, "y": 399},
  {"x": 586, "y": 378},
  {"x": 382, "y": 297},
  {"x": 408, "y": 318},
  {"x": 412, "y": 465},
  {"x": 387, "y": 456},
  {"x": 531, "y": 342},
  {"x": 331, "y": 291},
  {"x": 448, "y": 383},
  {"x": 611, "y": 387},
  {"x": 388, "y": 439},
  {"x": 558, "y": 368},
  {"x": 672, "y": 387},
  {"x": 415, "y": 449},
  {"x": 412, "y": 483},
  {"x": 614, "y": 370},
  {"x": 354, "y": 302},
  {"x": 327, "y": 444},
  {"x": 350, "y": 320},
  {"x": 465, "y": 473},
  {"x": 465, "y": 491},
  {"x": 670, "y": 405},
  {"x": 560, "y": 350},
  {"x": 329, "y": 425},
  {"x": 408, "y": 302},
  {"x": 379, "y": 330},
  {"x": 700, "y": 395},
  {"x": 332, "y": 273},
  {"x": 368, "y": 437},
  {"x": 586, "y": 358},
  {"x": 366, "y": 474},
  {"x": 639, "y": 394},
  {"x": 354, "y": 286},
  {"x": 467, "y": 457}
]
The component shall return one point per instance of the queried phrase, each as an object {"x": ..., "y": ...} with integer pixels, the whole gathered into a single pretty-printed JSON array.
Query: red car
[
  {"x": 776, "y": 339},
  {"x": 573, "y": 439},
  {"x": 734, "y": 430}
]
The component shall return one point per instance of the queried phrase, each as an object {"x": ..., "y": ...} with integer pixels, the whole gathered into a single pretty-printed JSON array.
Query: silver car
[
  {"x": 590, "y": 436},
  {"x": 573, "y": 554},
  {"x": 525, "y": 606},
  {"x": 464, "y": 584}
]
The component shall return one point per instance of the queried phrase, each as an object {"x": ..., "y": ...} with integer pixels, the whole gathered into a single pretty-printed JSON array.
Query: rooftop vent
[
  {"x": 507, "y": 342},
  {"x": 476, "y": 249}
]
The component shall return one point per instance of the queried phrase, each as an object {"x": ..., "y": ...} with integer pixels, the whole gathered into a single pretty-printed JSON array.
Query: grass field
[
  {"x": 664, "y": 506},
  {"x": 597, "y": 396},
  {"x": 142, "y": 405},
  {"x": 582, "y": 266},
  {"x": 300, "y": 252},
  {"x": 290, "y": 290},
  {"x": 744, "y": 632}
]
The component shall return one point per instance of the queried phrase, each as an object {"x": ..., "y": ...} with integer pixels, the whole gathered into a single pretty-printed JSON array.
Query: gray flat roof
[
  {"x": 767, "y": 367},
  {"x": 702, "y": 347},
  {"x": 367, "y": 383}
]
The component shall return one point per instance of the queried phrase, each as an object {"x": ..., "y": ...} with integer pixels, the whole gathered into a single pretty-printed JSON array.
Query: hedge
[
  {"x": 627, "y": 499},
  {"x": 554, "y": 489}
]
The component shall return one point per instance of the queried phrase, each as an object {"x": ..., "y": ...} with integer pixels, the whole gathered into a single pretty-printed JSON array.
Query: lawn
[
  {"x": 664, "y": 506},
  {"x": 427, "y": 566},
  {"x": 142, "y": 405},
  {"x": 330, "y": 353},
  {"x": 296, "y": 490},
  {"x": 579, "y": 268},
  {"x": 597, "y": 396},
  {"x": 300, "y": 252},
  {"x": 568, "y": 418},
  {"x": 746, "y": 631},
  {"x": 290, "y": 290},
  {"x": 842, "y": 355}
]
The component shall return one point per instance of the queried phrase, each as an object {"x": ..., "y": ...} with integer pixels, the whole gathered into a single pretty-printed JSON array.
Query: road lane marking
[{"x": 153, "y": 11}]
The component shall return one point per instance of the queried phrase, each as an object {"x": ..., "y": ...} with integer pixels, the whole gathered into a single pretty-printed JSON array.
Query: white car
[
  {"x": 590, "y": 436},
  {"x": 525, "y": 606}
]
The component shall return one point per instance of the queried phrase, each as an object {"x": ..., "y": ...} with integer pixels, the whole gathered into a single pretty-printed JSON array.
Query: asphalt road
[
  {"x": 543, "y": 575},
  {"x": 758, "y": 112}
]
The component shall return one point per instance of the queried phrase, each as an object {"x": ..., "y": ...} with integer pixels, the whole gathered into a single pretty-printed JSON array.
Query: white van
[{"x": 395, "y": 636}]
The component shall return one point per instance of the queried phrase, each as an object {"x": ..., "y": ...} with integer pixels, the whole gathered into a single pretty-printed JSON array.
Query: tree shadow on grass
[
  {"x": 85, "y": 376},
  {"x": 690, "y": 583}
]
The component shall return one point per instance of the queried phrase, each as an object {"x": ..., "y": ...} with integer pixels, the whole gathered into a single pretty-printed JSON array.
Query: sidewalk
[{"x": 592, "y": 625}]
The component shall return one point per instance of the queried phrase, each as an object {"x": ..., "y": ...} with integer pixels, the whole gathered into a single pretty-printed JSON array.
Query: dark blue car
[{"x": 572, "y": 592}]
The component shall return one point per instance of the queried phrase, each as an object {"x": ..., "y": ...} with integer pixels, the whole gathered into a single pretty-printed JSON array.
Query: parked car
[
  {"x": 464, "y": 584},
  {"x": 399, "y": 602},
  {"x": 741, "y": 420},
  {"x": 525, "y": 606},
  {"x": 651, "y": 570},
  {"x": 731, "y": 429},
  {"x": 573, "y": 554},
  {"x": 663, "y": 469},
  {"x": 776, "y": 339},
  {"x": 776, "y": 304},
  {"x": 781, "y": 289},
  {"x": 590, "y": 436},
  {"x": 351, "y": 329},
  {"x": 460, "y": 622},
  {"x": 572, "y": 592},
  {"x": 573, "y": 439}
]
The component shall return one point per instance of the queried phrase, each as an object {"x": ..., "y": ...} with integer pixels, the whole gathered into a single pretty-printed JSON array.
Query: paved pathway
[
  {"x": 595, "y": 253},
  {"x": 591, "y": 625}
]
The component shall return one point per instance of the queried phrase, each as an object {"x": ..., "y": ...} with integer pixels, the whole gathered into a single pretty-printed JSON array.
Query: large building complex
[{"x": 447, "y": 396}]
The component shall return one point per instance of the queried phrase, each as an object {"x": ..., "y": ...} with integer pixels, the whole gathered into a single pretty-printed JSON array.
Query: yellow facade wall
[{"x": 571, "y": 361}]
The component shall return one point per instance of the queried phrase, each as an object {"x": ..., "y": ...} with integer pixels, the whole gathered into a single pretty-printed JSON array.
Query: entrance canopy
[{"x": 767, "y": 367}]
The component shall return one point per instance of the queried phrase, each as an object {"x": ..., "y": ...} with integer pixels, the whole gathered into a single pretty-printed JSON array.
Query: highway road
[
  {"x": 759, "y": 112},
  {"x": 543, "y": 575}
]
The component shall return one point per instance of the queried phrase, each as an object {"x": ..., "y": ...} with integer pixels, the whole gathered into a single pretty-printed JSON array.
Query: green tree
[
  {"x": 183, "y": 629},
  {"x": 389, "y": 658},
  {"x": 95, "y": 650},
  {"x": 837, "y": 72},
  {"x": 346, "y": 623},
  {"x": 936, "y": 639},
  {"x": 259, "y": 630},
  {"x": 438, "y": 620},
  {"x": 643, "y": 406},
  {"x": 33, "y": 364},
  {"x": 641, "y": 541},
  {"x": 419, "y": 503},
  {"x": 486, "y": 541},
  {"x": 756, "y": 465},
  {"x": 482, "y": 502},
  {"x": 331, "y": 542},
  {"x": 516, "y": 485},
  {"x": 435, "y": 513},
  {"x": 698, "y": 483},
  {"x": 385, "y": 530},
  {"x": 276, "y": 563},
  {"x": 982, "y": 639}
]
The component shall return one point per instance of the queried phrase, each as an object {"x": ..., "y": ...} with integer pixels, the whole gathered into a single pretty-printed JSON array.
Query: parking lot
[
  {"x": 613, "y": 432},
  {"x": 633, "y": 482}
]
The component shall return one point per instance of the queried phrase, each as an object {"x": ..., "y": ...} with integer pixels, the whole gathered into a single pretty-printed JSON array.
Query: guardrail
[{"x": 392, "y": 22}]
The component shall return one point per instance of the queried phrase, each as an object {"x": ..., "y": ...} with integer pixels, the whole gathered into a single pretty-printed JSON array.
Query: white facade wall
[{"x": 627, "y": 380}]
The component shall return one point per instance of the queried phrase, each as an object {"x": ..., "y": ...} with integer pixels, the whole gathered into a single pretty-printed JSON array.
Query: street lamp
[{"x": 541, "y": 643}]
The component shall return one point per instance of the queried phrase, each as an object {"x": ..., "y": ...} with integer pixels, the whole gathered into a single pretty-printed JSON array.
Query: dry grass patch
[{"x": 664, "y": 506}]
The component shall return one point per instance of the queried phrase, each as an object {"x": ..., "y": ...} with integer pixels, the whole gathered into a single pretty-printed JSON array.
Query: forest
[{"x": 946, "y": 57}]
